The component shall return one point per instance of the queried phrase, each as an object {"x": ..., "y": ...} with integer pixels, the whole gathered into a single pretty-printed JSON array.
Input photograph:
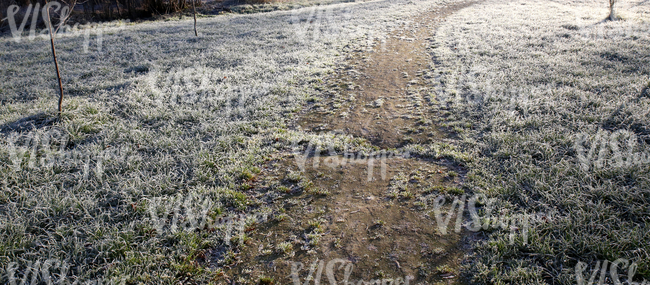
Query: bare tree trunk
[
  {"x": 87, "y": 10},
  {"x": 194, "y": 8},
  {"x": 119, "y": 12},
  {"x": 612, "y": 13},
  {"x": 129, "y": 6},
  {"x": 2, "y": 15},
  {"x": 109, "y": 9},
  {"x": 48, "y": 22}
]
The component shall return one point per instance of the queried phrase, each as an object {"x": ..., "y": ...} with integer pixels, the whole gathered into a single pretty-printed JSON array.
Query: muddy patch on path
[
  {"x": 384, "y": 228},
  {"x": 344, "y": 222}
]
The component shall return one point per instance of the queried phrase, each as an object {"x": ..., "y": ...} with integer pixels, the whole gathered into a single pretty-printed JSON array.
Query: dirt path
[
  {"x": 381, "y": 94},
  {"x": 374, "y": 224}
]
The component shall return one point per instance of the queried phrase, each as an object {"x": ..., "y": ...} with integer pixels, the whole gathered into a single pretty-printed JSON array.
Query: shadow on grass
[
  {"x": 645, "y": 92},
  {"x": 26, "y": 124}
]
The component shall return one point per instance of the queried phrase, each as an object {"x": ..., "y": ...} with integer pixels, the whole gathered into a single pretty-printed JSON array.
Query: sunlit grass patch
[
  {"x": 153, "y": 123},
  {"x": 536, "y": 91}
]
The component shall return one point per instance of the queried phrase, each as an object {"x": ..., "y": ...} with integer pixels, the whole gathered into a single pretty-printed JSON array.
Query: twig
[
  {"x": 56, "y": 62},
  {"x": 62, "y": 21},
  {"x": 194, "y": 8}
]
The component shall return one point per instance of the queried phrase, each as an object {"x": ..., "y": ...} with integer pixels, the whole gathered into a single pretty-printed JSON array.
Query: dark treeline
[{"x": 102, "y": 10}]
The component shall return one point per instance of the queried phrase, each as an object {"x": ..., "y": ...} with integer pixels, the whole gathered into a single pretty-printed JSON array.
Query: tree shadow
[
  {"x": 26, "y": 124},
  {"x": 645, "y": 92},
  {"x": 620, "y": 119}
]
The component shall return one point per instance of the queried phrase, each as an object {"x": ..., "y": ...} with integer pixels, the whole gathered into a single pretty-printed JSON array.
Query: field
[
  {"x": 555, "y": 106},
  {"x": 197, "y": 160}
]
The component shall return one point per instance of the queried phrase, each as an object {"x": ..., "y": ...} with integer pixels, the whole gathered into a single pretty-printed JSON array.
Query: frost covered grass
[
  {"x": 257, "y": 6},
  {"x": 553, "y": 102},
  {"x": 158, "y": 114}
]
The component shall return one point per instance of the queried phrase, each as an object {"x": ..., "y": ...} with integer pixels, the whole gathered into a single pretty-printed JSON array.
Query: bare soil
[
  {"x": 346, "y": 215},
  {"x": 383, "y": 91}
]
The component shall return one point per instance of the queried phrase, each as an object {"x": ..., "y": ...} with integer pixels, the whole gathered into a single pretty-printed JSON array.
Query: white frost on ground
[
  {"x": 185, "y": 114},
  {"x": 554, "y": 101}
]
